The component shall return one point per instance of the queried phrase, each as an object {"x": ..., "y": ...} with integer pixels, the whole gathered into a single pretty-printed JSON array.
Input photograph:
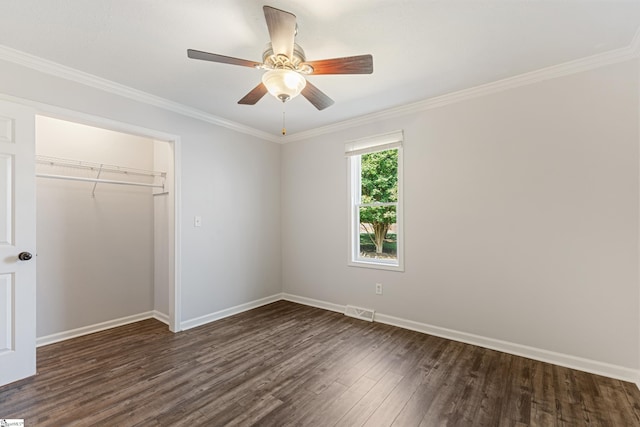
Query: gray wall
[
  {"x": 521, "y": 212},
  {"x": 230, "y": 179},
  {"x": 521, "y": 217}
]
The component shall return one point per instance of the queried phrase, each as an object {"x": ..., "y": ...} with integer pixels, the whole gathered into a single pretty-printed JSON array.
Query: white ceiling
[{"x": 421, "y": 49}]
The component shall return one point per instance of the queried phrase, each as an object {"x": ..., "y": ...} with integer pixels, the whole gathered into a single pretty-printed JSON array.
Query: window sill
[{"x": 376, "y": 265}]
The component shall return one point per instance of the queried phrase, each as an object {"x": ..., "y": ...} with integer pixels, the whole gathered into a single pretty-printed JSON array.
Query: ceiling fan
[{"x": 286, "y": 64}]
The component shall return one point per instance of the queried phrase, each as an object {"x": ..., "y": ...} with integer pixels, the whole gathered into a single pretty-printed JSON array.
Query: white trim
[
  {"x": 58, "y": 70},
  {"x": 637, "y": 45},
  {"x": 208, "y": 318},
  {"x": 579, "y": 65},
  {"x": 560, "y": 359},
  {"x": 89, "y": 119},
  {"x": 175, "y": 283},
  {"x": 572, "y": 67},
  {"x": 371, "y": 144},
  {"x": 202, "y": 320},
  {"x": 353, "y": 202},
  {"x": 90, "y": 329},
  {"x": 314, "y": 303},
  {"x": 161, "y": 317},
  {"x": 378, "y": 264},
  {"x": 373, "y": 149},
  {"x": 175, "y": 288}
]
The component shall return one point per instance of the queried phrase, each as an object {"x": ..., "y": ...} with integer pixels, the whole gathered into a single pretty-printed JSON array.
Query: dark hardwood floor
[{"x": 288, "y": 364}]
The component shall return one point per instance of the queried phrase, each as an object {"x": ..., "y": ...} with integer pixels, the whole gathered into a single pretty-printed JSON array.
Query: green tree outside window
[{"x": 379, "y": 179}]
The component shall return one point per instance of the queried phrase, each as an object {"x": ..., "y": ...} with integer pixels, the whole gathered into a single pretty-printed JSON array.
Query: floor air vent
[{"x": 359, "y": 313}]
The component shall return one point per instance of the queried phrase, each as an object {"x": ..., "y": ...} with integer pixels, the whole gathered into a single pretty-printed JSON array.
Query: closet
[{"x": 104, "y": 201}]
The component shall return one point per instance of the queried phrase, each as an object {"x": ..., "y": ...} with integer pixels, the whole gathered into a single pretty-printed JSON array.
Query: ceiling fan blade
[
  {"x": 362, "y": 64},
  {"x": 213, "y": 57},
  {"x": 316, "y": 96},
  {"x": 254, "y": 96},
  {"x": 282, "y": 30}
]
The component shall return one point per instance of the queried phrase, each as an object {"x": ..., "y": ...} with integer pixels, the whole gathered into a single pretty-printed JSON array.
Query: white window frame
[{"x": 353, "y": 152}]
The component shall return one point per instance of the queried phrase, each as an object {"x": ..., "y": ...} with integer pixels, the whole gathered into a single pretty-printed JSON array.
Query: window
[{"x": 375, "y": 201}]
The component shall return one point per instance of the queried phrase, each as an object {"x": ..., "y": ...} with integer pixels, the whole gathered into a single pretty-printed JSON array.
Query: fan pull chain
[{"x": 284, "y": 129}]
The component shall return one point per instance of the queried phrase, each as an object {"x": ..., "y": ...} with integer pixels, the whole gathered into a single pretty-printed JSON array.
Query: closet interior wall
[{"x": 96, "y": 254}]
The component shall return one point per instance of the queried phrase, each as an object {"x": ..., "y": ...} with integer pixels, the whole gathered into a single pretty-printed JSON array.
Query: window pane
[
  {"x": 378, "y": 233},
  {"x": 379, "y": 176}
]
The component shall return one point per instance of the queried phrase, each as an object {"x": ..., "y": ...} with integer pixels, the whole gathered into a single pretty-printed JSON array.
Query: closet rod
[{"x": 104, "y": 181}]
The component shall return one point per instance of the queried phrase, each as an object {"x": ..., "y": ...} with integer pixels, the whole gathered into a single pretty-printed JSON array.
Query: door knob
[{"x": 24, "y": 256}]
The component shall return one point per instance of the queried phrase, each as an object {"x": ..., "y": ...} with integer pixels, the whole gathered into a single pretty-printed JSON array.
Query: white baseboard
[
  {"x": 566, "y": 360},
  {"x": 207, "y": 318},
  {"x": 560, "y": 359},
  {"x": 85, "y": 330},
  {"x": 164, "y": 318},
  {"x": 314, "y": 302}
]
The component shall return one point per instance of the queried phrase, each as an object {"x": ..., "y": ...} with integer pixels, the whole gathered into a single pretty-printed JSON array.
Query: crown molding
[
  {"x": 629, "y": 52},
  {"x": 55, "y": 69}
]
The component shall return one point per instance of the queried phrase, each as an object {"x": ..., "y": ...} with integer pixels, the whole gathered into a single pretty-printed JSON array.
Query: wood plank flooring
[{"x": 288, "y": 364}]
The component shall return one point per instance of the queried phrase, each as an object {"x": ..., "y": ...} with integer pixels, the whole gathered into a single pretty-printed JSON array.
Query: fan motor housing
[{"x": 296, "y": 63}]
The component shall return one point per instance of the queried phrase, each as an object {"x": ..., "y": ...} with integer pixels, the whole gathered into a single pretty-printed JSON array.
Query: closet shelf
[
  {"x": 81, "y": 164},
  {"x": 100, "y": 168}
]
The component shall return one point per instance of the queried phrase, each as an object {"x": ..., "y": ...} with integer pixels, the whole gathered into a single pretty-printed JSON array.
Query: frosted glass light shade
[{"x": 284, "y": 84}]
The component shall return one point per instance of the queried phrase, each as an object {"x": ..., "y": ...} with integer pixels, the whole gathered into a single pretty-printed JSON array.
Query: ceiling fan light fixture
[
  {"x": 286, "y": 65},
  {"x": 284, "y": 84}
]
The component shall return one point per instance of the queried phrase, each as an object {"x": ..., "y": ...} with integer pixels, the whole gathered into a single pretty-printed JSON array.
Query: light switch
[{"x": 197, "y": 221}]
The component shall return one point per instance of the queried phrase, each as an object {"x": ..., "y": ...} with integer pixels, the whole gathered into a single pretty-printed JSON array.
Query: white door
[{"x": 17, "y": 240}]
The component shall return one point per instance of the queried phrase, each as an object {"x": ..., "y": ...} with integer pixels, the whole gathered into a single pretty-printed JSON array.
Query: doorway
[{"x": 106, "y": 227}]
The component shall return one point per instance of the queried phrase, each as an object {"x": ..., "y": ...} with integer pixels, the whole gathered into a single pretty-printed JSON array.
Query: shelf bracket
[{"x": 93, "y": 192}]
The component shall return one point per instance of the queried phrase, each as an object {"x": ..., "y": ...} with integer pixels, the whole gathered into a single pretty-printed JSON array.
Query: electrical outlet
[{"x": 378, "y": 288}]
